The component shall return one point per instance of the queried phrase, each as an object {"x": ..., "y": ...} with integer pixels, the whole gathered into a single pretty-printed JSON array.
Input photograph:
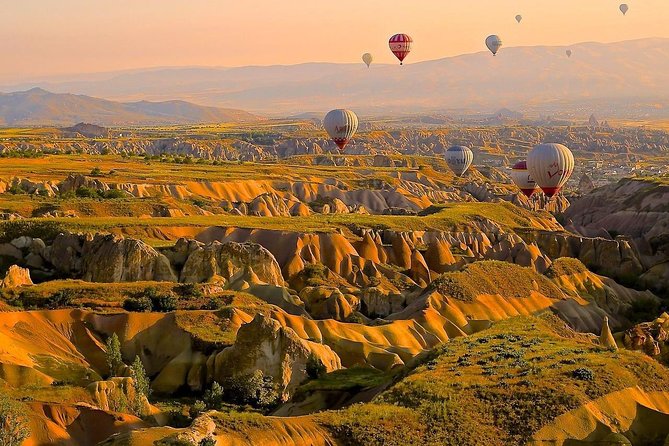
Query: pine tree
[
  {"x": 142, "y": 384},
  {"x": 114, "y": 359}
]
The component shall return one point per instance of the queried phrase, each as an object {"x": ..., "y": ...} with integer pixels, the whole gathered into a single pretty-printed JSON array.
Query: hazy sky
[{"x": 46, "y": 37}]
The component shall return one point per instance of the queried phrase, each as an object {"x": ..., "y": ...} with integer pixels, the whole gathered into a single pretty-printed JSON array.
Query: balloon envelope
[
  {"x": 341, "y": 125},
  {"x": 368, "y": 59},
  {"x": 624, "y": 8},
  {"x": 519, "y": 18},
  {"x": 400, "y": 45},
  {"x": 494, "y": 43},
  {"x": 550, "y": 165},
  {"x": 521, "y": 177},
  {"x": 568, "y": 53},
  {"x": 459, "y": 159}
]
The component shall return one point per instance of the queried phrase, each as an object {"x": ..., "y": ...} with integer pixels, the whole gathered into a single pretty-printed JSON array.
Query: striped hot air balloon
[
  {"x": 459, "y": 159},
  {"x": 400, "y": 45},
  {"x": 550, "y": 165},
  {"x": 341, "y": 125},
  {"x": 521, "y": 177}
]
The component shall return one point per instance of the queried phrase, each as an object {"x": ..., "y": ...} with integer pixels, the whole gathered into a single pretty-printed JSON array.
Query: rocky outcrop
[
  {"x": 232, "y": 262},
  {"x": 16, "y": 277},
  {"x": 118, "y": 395},
  {"x": 108, "y": 258},
  {"x": 264, "y": 344}
]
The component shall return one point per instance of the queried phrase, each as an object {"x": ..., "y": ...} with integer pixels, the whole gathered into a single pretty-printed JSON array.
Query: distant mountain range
[
  {"x": 626, "y": 77},
  {"x": 40, "y": 107}
]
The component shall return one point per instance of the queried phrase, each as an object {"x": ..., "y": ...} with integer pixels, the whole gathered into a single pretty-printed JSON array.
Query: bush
[
  {"x": 213, "y": 397},
  {"x": 213, "y": 304},
  {"x": 164, "y": 303},
  {"x": 315, "y": 367},
  {"x": 86, "y": 192},
  {"x": 60, "y": 299},
  {"x": 197, "y": 408},
  {"x": 208, "y": 441},
  {"x": 139, "y": 304},
  {"x": 254, "y": 389},
  {"x": 45, "y": 230},
  {"x": 114, "y": 193},
  {"x": 14, "y": 422},
  {"x": 188, "y": 291},
  {"x": 583, "y": 374},
  {"x": 96, "y": 172}
]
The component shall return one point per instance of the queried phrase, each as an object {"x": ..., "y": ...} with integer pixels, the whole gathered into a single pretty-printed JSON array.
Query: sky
[{"x": 41, "y": 38}]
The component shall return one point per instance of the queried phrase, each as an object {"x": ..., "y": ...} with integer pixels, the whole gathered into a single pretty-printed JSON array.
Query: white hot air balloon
[
  {"x": 368, "y": 59},
  {"x": 568, "y": 52},
  {"x": 522, "y": 178},
  {"x": 494, "y": 43},
  {"x": 624, "y": 8},
  {"x": 550, "y": 165},
  {"x": 459, "y": 159},
  {"x": 519, "y": 18},
  {"x": 341, "y": 125}
]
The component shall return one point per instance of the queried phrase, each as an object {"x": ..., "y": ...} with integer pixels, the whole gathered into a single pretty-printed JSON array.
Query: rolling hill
[
  {"x": 598, "y": 77},
  {"x": 40, "y": 107}
]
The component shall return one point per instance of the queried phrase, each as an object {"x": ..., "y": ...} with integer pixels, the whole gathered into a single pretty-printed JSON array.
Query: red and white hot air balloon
[
  {"x": 521, "y": 177},
  {"x": 550, "y": 165},
  {"x": 400, "y": 45},
  {"x": 341, "y": 125}
]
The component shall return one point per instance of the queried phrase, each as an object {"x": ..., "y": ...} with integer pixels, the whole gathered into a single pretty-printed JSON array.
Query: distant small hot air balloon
[
  {"x": 624, "y": 8},
  {"x": 568, "y": 53},
  {"x": 494, "y": 43},
  {"x": 459, "y": 159},
  {"x": 521, "y": 177},
  {"x": 368, "y": 59},
  {"x": 550, "y": 165},
  {"x": 400, "y": 45},
  {"x": 519, "y": 18},
  {"x": 341, "y": 125}
]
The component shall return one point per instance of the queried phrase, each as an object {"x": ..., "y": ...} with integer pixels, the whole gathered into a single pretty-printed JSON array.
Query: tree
[
  {"x": 315, "y": 367},
  {"x": 13, "y": 422},
  {"x": 113, "y": 354},
  {"x": 142, "y": 384},
  {"x": 213, "y": 397}
]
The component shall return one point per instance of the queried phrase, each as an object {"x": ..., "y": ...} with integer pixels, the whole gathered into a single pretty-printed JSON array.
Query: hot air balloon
[
  {"x": 459, "y": 159},
  {"x": 550, "y": 165},
  {"x": 341, "y": 125},
  {"x": 519, "y": 18},
  {"x": 624, "y": 8},
  {"x": 568, "y": 53},
  {"x": 400, "y": 45},
  {"x": 494, "y": 43},
  {"x": 368, "y": 59},
  {"x": 521, "y": 177}
]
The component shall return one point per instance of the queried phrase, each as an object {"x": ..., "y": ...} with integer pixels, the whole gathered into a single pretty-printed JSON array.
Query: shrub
[
  {"x": 208, "y": 441},
  {"x": 164, "y": 303},
  {"x": 583, "y": 374},
  {"x": 96, "y": 172},
  {"x": 113, "y": 354},
  {"x": 213, "y": 397},
  {"x": 254, "y": 389},
  {"x": 60, "y": 299},
  {"x": 14, "y": 422},
  {"x": 315, "y": 367},
  {"x": 140, "y": 304},
  {"x": 197, "y": 408},
  {"x": 86, "y": 192},
  {"x": 213, "y": 304},
  {"x": 45, "y": 230},
  {"x": 114, "y": 193},
  {"x": 188, "y": 290}
]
